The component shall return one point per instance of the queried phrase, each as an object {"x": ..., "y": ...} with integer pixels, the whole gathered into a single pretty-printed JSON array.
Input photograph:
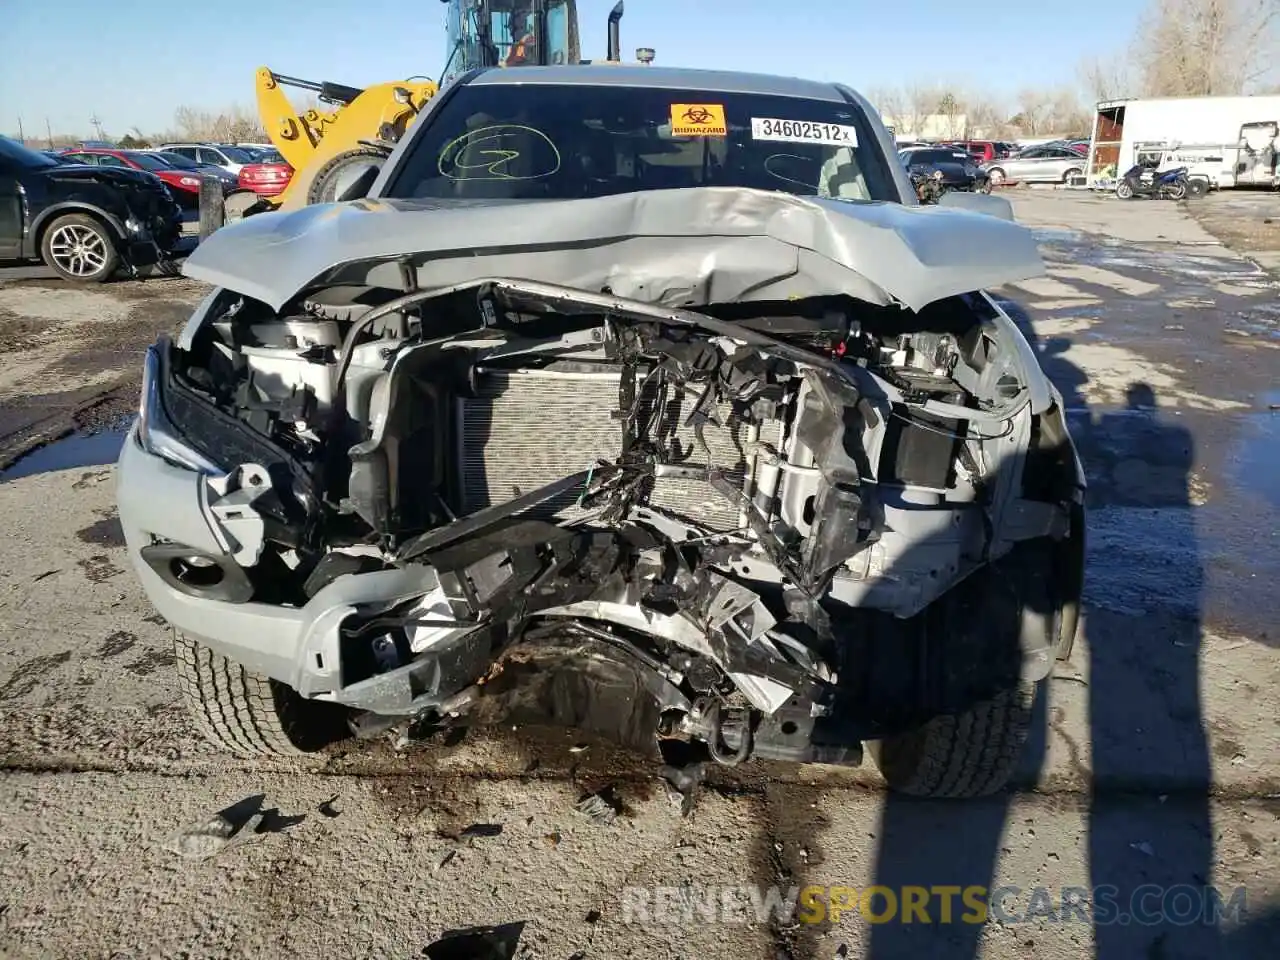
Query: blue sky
[{"x": 133, "y": 62}]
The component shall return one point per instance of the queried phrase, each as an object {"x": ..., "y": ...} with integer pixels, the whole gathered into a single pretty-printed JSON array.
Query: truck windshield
[{"x": 558, "y": 142}]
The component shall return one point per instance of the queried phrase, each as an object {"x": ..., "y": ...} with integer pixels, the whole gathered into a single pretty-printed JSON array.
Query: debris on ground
[
  {"x": 200, "y": 841},
  {"x": 464, "y": 837},
  {"x": 684, "y": 781},
  {"x": 243, "y": 822},
  {"x": 601, "y": 807},
  {"x": 477, "y": 943},
  {"x": 480, "y": 830}
]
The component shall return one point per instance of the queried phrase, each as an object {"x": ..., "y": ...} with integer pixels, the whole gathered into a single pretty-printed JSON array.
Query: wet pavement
[
  {"x": 77, "y": 449},
  {"x": 1167, "y": 355}
]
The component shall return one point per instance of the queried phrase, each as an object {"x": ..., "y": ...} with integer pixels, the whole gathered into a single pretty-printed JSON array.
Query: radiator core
[{"x": 527, "y": 428}]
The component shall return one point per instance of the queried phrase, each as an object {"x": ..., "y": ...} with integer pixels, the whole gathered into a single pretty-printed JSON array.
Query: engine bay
[{"x": 724, "y": 495}]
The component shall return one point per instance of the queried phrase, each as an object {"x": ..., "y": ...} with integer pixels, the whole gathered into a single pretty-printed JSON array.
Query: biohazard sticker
[
  {"x": 803, "y": 131},
  {"x": 698, "y": 120}
]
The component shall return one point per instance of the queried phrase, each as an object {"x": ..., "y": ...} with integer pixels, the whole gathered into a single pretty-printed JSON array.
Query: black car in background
[
  {"x": 959, "y": 170},
  {"x": 84, "y": 222}
]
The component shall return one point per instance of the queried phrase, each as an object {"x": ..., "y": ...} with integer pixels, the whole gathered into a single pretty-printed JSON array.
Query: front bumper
[{"x": 159, "y": 501}]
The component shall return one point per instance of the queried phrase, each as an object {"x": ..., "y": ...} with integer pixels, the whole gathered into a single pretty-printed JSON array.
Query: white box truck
[{"x": 1223, "y": 140}]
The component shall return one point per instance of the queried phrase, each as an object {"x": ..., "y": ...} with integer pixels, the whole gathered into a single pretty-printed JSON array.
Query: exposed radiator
[{"x": 527, "y": 428}]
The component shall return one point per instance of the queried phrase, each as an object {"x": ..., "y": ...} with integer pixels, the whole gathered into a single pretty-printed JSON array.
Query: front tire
[
  {"x": 80, "y": 248},
  {"x": 332, "y": 178},
  {"x": 247, "y": 714},
  {"x": 1066, "y": 177},
  {"x": 1197, "y": 188},
  {"x": 974, "y": 637},
  {"x": 970, "y": 754},
  {"x": 1124, "y": 190}
]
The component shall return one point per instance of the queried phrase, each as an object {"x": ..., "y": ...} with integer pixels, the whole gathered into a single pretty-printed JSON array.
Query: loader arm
[{"x": 312, "y": 139}]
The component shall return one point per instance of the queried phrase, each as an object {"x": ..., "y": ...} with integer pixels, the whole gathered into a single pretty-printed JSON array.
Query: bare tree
[
  {"x": 918, "y": 104},
  {"x": 888, "y": 100},
  {"x": 234, "y": 124},
  {"x": 1033, "y": 110},
  {"x": 1206, "y": 47},
  {"x": 951, "y": 108},
  {"x": 986, "y": 117},
  {"x": 1107, "y": 77}
]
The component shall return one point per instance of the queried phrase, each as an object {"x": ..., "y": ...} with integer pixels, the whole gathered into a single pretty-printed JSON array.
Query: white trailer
[{"x": 1225, "y": 140}]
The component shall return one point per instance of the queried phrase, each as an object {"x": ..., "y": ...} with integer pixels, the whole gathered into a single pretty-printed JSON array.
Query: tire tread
[{"x": 232, "y": 708}]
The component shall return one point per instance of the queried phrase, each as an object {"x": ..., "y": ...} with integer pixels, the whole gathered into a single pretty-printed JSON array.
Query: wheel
[
  {"x": 1124, "y": 190},
  {"x": 338, "y": 172},
  {"x": 996, "y": 176},
  {"x": 1066, "y": 177},
  {"x": 1197, "y": 188},
  {"x": 970, "y": 754},
  {"x": 982, "y": 186},
  {"x": 247, "y": 714},
  {"x": 81, "y": 248},
  {"x": 972, "y": 650}
]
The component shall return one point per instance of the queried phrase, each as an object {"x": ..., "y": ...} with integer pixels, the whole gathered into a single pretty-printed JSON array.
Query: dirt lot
[
  {"x": 1248, "y": 221},
  {"x": 1154, "y": 770},
  {"x": 71, "y": 353}
]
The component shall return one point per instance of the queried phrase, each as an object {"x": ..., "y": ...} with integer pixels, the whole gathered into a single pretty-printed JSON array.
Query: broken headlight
[{"x": 156, "y": 433}]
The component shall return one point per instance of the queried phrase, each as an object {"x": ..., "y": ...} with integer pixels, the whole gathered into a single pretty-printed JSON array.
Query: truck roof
[{"x": 676, "y": 78}]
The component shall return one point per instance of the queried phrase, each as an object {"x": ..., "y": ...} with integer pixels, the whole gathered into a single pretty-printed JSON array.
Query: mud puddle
[
  {"x": 1256, "y": 456},
  {"x": 77, "y": 449}
]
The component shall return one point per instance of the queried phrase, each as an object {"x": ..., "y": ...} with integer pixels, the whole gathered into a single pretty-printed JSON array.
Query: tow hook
[{"x": 707, "y": 720}]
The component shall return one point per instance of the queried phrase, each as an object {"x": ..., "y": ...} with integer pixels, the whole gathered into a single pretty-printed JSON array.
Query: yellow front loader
[
  {"x": 322, "y": 144},
  {"x": 328, "y": 147}
]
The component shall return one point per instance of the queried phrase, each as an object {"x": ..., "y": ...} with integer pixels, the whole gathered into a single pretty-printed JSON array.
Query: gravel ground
[
  {"x": 1248, "y": 221},
  {"x": 71, "y": 353},
  {"x": 1156, "y": 759}
]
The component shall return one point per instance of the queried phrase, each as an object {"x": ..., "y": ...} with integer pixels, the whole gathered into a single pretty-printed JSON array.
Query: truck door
[{"x": 10, "y": 213}]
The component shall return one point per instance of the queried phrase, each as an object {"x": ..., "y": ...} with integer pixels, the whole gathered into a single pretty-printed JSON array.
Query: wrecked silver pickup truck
[{"x": 645, "y": 402}]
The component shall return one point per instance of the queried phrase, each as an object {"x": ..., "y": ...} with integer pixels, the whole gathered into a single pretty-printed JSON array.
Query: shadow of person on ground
[
  {"x": 946, "y": 851},
  {"x": 1151, "y": 851},
  {"x": 1149, "y": 857}
]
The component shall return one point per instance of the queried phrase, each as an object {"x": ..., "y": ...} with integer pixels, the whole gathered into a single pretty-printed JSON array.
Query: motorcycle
[{"x": 1140, "y": 181}]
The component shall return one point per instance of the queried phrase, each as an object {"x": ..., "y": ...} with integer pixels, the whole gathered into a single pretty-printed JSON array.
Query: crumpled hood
[{"x": 684, "y": 247}]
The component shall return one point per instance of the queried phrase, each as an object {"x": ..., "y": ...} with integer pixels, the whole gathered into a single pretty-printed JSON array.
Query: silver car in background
[{"x": 1043, "y": 164}]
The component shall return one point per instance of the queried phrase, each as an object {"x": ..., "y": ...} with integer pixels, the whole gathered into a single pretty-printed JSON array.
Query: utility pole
[
  {"x": 49, "y": 131},
  {"x": 22, "y": 137},
  {"x": 97, "y": 126}
]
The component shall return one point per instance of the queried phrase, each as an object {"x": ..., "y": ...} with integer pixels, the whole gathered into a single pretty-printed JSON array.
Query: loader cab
[{"x": 509, "y": 33}]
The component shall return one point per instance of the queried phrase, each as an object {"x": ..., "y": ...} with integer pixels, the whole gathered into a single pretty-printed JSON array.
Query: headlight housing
[{"x": 156, "y": 434}]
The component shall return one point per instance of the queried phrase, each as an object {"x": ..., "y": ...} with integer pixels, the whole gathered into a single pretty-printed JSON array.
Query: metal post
[{"x": 213, "y": 212}]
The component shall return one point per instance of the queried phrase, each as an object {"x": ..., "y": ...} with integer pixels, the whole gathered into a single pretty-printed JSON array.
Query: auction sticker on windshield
[
  {"x": 803, "y": 131},
  {"x": 698, "y": 120}
]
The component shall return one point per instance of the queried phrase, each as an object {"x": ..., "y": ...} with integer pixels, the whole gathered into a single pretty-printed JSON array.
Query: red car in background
[
  {"x": 268, "y": 176},
  {"x": 183, "y": 184}
]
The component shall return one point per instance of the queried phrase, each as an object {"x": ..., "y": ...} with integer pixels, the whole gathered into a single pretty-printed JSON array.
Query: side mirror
[
  {"x": 979, "y": 203},
  {"x": 355, "y": 183}
]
